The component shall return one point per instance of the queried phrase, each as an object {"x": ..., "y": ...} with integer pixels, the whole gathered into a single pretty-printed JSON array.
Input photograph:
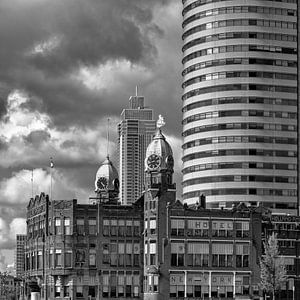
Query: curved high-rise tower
[{"x": 240, "y": 102}]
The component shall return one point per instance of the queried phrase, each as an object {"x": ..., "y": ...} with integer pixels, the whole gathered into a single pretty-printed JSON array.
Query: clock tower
[
  {"x": 160, "y": 192},
  {"x": 107, "y": 182}
]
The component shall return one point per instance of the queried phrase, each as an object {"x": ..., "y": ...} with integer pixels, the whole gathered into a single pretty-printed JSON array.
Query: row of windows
[
  {"x": 239, "y": 126},
  {"x": 201, "y": 228},
  {"x": 239, "y": 74},
  {"x": 240, "y": 152},
  {"x": 240, "y": 87},
  {"x": 240, "y": 178},
  {"x": 240, "y": 139},
  {"x": 240, "y": 61},
  {"x": 242, "y": 113},
  {"x": 240, "y": 9},
  {"x": 203, "y": 2},
  {"x": 239, "y": 48},
  {"x": 121, "y": 227},
  {"x": 238, "y": 100},
  {"x": 250, "y": 191},
  {"x": 121, "y": 285},
  {"x": 241, "y": 35},
  {"x": 244, "y": 165},
  {"x": 240, "y": 22}
]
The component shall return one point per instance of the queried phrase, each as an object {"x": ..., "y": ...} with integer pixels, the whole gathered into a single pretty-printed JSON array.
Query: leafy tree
[
  {"x": 4, "y": 287},
  {"x": 272, "y": 268}
]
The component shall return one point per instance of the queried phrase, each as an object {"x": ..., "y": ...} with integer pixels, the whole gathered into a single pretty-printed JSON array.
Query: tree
[
  {"x": 272, "y": 268},
  {"x": 4, "y": 286}
]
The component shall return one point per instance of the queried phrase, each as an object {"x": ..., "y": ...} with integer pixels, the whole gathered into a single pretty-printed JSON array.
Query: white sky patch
[
  {"x": 22, "y": 185},
  {"x": 85, "y": 144},
  {"x": 113, "y": 75},
  {"x": 20, "y": 121},
  {"x": 47, "y": 46}
]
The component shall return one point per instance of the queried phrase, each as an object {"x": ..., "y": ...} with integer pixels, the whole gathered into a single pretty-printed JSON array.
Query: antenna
[
  {"x": 136, "y": 90},
  {"x": 51, "y": 167},
  {"x": 32, "y": 183},
  {"x": 107, "y": 137}
]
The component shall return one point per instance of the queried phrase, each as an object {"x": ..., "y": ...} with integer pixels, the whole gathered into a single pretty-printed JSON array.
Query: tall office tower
[
  {"x": 20, "y": 255},
  {"x": 135, "y": 130},
  {"x": 240, "y": 102}
]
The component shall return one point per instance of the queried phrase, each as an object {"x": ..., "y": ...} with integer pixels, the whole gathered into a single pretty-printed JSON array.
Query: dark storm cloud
[
  {"x": 82, "y": 33},
  {"x": 37, "y": 137}
]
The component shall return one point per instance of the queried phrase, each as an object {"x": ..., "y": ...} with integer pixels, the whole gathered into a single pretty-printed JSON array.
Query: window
[
  {"x": 242, "y": 255},
  {"x": 242, "y": 285},
  {"x": 92, "y": 291},
  {"x": 122, "y": 227},
  {"x": 242, "y": 228},
  {"x": 39, "y": 259},
  {"x": 57, "y": 291},
  {"x": 68, "y": 258},
  {"x": 57, "y": 258},
  {"x": 121, "y": 253},
  {"x": 177, "y": 227},
  {"x": 222, "y": 255},
  {"x": 105, "y": 289},
  {"x": 222, "y": 228},
  {"x": 198, "y": 254},
  {"x": 113, "y": 254},
  {"x": 152, "y": 252},
  {"x": 92, "y": 226},
  {"x": 92, "y": 257},
  {"x": 198, "y": 227},
  {"x": 79, "y": 291},
  {"x": 66, "y": 291},
  {"x": 177, "y": 254},
  {"x": 136, "y": 254},
  {"x": 105, "y": 227},
  {"x": 67, "y": 227},
  {"x": 57, "y": 229},
  {"x": 136, "y": 227},
  {"x": 153, "y": 226},
  {"x": 106, "y": 257},
  {"x": 128, "y": 227},
  {"x": 80, "y": 226},
  {"x": 113, "y": 227}
]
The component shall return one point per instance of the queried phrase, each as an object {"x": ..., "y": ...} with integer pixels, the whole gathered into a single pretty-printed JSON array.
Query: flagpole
[
  {"x": 32, "y": 183},
  {"x": 51, "y": 167}
]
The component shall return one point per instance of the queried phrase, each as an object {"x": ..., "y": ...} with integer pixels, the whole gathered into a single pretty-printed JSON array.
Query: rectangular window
[
  {"x": 67, "y": 226},
  {"x": 177, "y": 254},
  {"x": 105, "y": 227},
  {"x": 80, "y": 226},
  {"x": 177, "y": 227},
  {"x": 92, "y": 257},
  {"x": 222, "y": 255},
  {"x": 92, "y": 226},
  {"x": 40, "y": 259},
  {"x": 68, "y": 259},
  {"x": 79, "y": 291},
  {"x": 242, "y": 228},
  {"x": 57, "y": 229},
  {"x": 57, "y": 258}
]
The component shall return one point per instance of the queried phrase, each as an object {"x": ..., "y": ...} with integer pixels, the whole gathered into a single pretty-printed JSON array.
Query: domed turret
[
  {"x": 159, "y": 155},
  {"x": 107, "y": 178},
  {"x": 159, "y": 161}
]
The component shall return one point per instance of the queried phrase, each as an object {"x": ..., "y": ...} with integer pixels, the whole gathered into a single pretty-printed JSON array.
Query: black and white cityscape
[{"x": 149, "y": 150}]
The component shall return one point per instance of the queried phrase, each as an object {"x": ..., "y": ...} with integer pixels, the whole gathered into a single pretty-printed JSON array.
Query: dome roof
[
  {"x": 108, "y": 171},
  {"x": 159, "y": 146}
]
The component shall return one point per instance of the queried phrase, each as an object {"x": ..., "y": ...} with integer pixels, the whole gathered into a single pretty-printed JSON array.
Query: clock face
[
  {"x": 102, "y": 183},
  {"x": 170, "y": 161},
  {"x": 153, "y": 161}
]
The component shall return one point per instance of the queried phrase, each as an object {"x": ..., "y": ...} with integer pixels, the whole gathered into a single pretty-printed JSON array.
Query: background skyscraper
[
  {"x": 20, "y": 255},
  {"x": 240, "y": 103},
  {"x": 135, "y": 131}
]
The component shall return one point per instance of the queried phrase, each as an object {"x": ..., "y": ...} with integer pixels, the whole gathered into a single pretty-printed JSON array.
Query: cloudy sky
[{"x": 65, "y": 67}]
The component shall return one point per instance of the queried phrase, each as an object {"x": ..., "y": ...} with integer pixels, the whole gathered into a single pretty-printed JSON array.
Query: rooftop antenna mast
[
  {"x": 32, "y": 183},
  {"x": 107, "y": 138}
]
